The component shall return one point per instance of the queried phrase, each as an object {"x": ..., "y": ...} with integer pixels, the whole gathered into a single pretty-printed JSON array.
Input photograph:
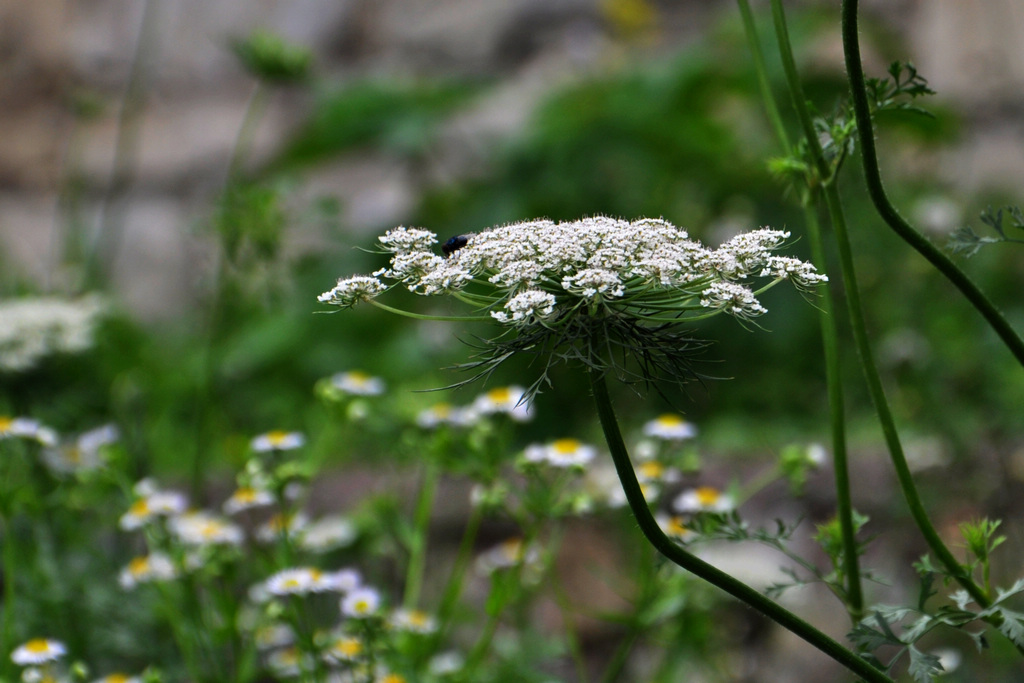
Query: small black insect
[{"x": 454, "y": 244}]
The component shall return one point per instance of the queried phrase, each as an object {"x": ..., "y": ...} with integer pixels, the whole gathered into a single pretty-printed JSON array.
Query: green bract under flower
[
  {"x": 569, "y": 287},
  {"x": 536, "y": 272}
]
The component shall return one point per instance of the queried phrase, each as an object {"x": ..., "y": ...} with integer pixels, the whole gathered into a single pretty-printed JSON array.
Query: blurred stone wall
[{"x": 56, "y": 52}]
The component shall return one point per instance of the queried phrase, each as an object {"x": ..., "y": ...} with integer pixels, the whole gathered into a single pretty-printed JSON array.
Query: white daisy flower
[
  {"x": 506, "y": 554},
  {"x": 27, "y": 428},
  {"x": 653, "y": 471},
  {"x": 361, "y": 603},
  {"x": 204, "y": 529},
  {"x": 345, "y": 580},
  {"x": 670, "y": 427},
  {"x": 38, "y": 651},
  {"x": 152, "y": 506},
  {"x": 328, "y": 533},
  {"x": 703, "y": 499},
  {"x": 561, "y": 453},
  {"x": 289, "y": 662},
  {"x": 445, "y": 663},
  {"x": 247, "y": 498},
  {"x": 445, "y": 414},
  {"x": 291, "y": 524},
  {"x": 146, "y": 569},
  {"x": 299, "y": 581},
  {"x": 345, "y": 649},
  {"x": 413, "y": 621},
  {"x": 118, "y": 678},
  {"x": 274, "y": 635},
  {"x": 509, "y": 401},
  {"x": 675, "y": 527},
  {"x": 278, "y": 440},
  {"x": 358, "y": 383},
  {"x": 83, "y": 453}
]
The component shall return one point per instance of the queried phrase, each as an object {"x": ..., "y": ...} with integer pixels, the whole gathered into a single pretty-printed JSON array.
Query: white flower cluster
[
  {"x": 528, "y": 273},
  {"x": 33, "y": 328},
  {"x": 348, "y": 293}
]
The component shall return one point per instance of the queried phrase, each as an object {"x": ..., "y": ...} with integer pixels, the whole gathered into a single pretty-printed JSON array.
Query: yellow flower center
[
  {"x": 277, "y": 437},
  {"x": 139, "y": 508},
  {"x": 115, "y": 678},
  {"x": 393, "y": 678},
  {"x": 676, "y": 527},
  {"x": 708, "y": 495},
  {"x": 442, "y": 410},
  {"x": 5, "y": 423},
  {"x": 138, "y": 566},
  {"x": 499, "y": 395},
  {"x": 348, "y": 647},
  {"x": 651, "y": 470},
  {"x": 357, "y": 377},
  {"x": 38, "y": 645},
  {"x": 245, "y": 495},
  {"x": 669, "y": 420},
  {"x": 512, "y": 549},
  {"x": 566, "y": 446}
]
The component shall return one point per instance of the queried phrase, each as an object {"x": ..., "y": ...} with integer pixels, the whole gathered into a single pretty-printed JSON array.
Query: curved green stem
[
  {"x": 892, "y": 217},
  {"x": 700, "y": 568},
  {"x": 829, "y": 335},
  {"x": 855, "y": 311}
]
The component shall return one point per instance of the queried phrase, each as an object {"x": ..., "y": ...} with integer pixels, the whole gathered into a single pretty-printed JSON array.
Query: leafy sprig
[
  {"x": 898, "y": 92},
  {"x": 967, "y": 242}
]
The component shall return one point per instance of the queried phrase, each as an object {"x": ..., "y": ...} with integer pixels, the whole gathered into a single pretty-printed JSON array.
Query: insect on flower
[{"x": 454, "y": 244}]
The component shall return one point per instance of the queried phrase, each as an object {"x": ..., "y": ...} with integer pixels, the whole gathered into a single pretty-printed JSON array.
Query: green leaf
[
  {"x": 923, "y": 666},
  {"x": 1012, "y": 626}
]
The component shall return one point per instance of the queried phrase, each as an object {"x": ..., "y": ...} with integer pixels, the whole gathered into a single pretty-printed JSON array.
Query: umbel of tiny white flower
[{"x": 597, "y": 290}]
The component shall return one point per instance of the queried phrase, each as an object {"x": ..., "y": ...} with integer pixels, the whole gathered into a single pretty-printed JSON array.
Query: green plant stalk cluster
[{"x": 854, "y": 597}]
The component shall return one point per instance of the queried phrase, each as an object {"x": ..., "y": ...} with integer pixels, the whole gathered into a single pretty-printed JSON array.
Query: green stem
[
  {"x": 854, "y": 598},
  {"x": 754, "y": 43},
  {"x": 572, "y": 637},
  {"x": 10, "y": 552},
  {"x": 829, "y": 334},
  {"x": 418, "y": 543},
  {"x": 892, "y": 217},
  {"x": 617, "y": 664},
  {"x": 254, "y": 109},
  {"x": 700, "y": 568},
  {"x": 98, "y": 265},
  {"x": 453, "y": 590},
  {"x": 855, "y": 311}
]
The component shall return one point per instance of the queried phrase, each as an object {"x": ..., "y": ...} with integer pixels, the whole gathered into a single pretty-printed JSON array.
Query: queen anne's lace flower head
[{"x": 599, "y": 278}]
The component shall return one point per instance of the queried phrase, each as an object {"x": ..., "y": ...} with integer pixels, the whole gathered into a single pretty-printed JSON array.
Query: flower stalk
[
  {"x": 672, "y": 551},
  {"x": 855, "y": 312},
  {"x": 854, "y": 595},
  {"x": 885, "y": 208}
]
